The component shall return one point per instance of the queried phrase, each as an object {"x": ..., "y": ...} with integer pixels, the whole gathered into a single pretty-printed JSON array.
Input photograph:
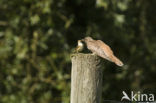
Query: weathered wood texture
[{"x": 86, "y": 78}]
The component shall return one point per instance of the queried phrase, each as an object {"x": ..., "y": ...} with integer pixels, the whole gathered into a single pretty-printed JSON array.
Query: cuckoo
[{"x": 98, "y": 47}]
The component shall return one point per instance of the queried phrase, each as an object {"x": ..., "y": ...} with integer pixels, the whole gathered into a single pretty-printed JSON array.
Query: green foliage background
[{"x": 38, "y": 36}]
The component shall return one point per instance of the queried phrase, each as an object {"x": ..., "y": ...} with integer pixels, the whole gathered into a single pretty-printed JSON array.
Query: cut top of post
[{"x": 83, "y": 56}]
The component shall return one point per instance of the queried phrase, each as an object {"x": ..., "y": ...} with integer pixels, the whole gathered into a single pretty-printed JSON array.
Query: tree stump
[{"x": 86, "y": 78}]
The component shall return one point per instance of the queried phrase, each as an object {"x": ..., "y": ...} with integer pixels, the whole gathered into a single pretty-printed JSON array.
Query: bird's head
[
  {"x": 80, "y": 43},
  {"x": 87, "y": 39}
]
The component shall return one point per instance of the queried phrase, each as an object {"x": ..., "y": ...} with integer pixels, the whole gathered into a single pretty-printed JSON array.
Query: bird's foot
[{"x": 75, "y": 51}]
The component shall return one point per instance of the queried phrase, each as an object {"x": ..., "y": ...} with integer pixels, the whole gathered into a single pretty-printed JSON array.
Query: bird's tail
[{"x": 117, "y": 61}]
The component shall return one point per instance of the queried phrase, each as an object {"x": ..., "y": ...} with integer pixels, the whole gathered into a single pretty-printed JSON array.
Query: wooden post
[{"x": 86, "y": 78}]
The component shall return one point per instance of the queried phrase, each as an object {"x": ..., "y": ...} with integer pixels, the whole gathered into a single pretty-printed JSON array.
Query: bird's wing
[
  {"x": 107, "y": 50},
  {"x": 92, "y": 46}
]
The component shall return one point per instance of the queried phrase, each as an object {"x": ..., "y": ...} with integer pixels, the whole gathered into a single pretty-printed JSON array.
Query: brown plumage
[{"x": 101, "y": 49}]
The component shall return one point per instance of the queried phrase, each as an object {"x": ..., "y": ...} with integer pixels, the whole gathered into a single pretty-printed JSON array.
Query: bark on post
[{"x": 86, "y": 78}]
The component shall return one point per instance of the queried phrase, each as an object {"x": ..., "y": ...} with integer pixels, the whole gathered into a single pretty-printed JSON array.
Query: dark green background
[{"x": 38, "y": 36}]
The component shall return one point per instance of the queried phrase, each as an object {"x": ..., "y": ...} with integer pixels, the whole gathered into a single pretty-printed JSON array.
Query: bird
[
  {"x": 98, "y": 47},
  {"x": 80, "y": 46}
]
